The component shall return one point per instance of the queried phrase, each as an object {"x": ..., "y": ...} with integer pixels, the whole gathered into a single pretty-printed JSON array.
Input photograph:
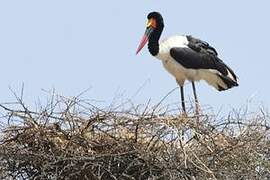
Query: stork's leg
[
  {"x": 197, "y": 106},
  {"x": 183, "y": 116},
  {"x": 183, "y": 100}
]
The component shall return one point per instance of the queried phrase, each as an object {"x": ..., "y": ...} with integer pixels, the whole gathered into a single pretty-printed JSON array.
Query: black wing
[
  {"x": 201, "y": 46},
  {"x": 200, "y": 55}
]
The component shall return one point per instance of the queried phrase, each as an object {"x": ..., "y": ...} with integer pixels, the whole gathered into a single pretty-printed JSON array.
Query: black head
[
  {"x": 155, "y": 15},
  {"x": 153, "y": 31}
]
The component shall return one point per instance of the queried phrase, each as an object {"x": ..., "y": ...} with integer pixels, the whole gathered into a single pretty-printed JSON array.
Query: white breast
[{"x": 177, "y": 70}]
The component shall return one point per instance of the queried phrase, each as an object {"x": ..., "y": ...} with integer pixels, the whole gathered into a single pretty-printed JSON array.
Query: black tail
[{"x": 228, "y": 81}]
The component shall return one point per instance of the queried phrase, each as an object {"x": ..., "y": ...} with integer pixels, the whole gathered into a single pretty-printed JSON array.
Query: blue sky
[{"x": 75, "y": 45}]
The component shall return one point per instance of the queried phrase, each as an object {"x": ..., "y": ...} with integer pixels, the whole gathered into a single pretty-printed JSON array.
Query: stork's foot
[
  {"x": 182, "y": 118},
  {"x": 183, "y": 115}
]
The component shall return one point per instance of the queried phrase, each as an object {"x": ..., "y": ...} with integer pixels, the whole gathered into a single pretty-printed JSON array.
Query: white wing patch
[{"x": 231, "y": 76}]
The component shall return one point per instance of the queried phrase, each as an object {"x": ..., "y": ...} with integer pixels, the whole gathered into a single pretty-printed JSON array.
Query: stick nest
[{"x": 73, "y": 139}]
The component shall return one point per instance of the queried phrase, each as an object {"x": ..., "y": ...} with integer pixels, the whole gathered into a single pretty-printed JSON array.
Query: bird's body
[
  {"x": 194, "y": 72},
  {"x": 187, "y": 58}
]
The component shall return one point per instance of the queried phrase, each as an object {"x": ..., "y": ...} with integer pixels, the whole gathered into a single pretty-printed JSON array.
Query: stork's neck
[{"x": 153, "y": 43}]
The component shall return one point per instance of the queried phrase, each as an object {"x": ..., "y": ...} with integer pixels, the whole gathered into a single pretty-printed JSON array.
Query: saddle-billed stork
[{"x": 187, "y": 58}]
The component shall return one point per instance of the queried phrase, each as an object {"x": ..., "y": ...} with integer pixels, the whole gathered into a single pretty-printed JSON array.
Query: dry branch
[{"x": 73, "y": 139}]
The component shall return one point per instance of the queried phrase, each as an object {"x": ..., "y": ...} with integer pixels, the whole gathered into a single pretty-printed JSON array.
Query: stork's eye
[{"x": 151, "y": 23}]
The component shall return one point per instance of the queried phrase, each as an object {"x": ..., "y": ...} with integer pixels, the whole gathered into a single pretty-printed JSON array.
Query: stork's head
[{"x": 155, "y": 22}]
